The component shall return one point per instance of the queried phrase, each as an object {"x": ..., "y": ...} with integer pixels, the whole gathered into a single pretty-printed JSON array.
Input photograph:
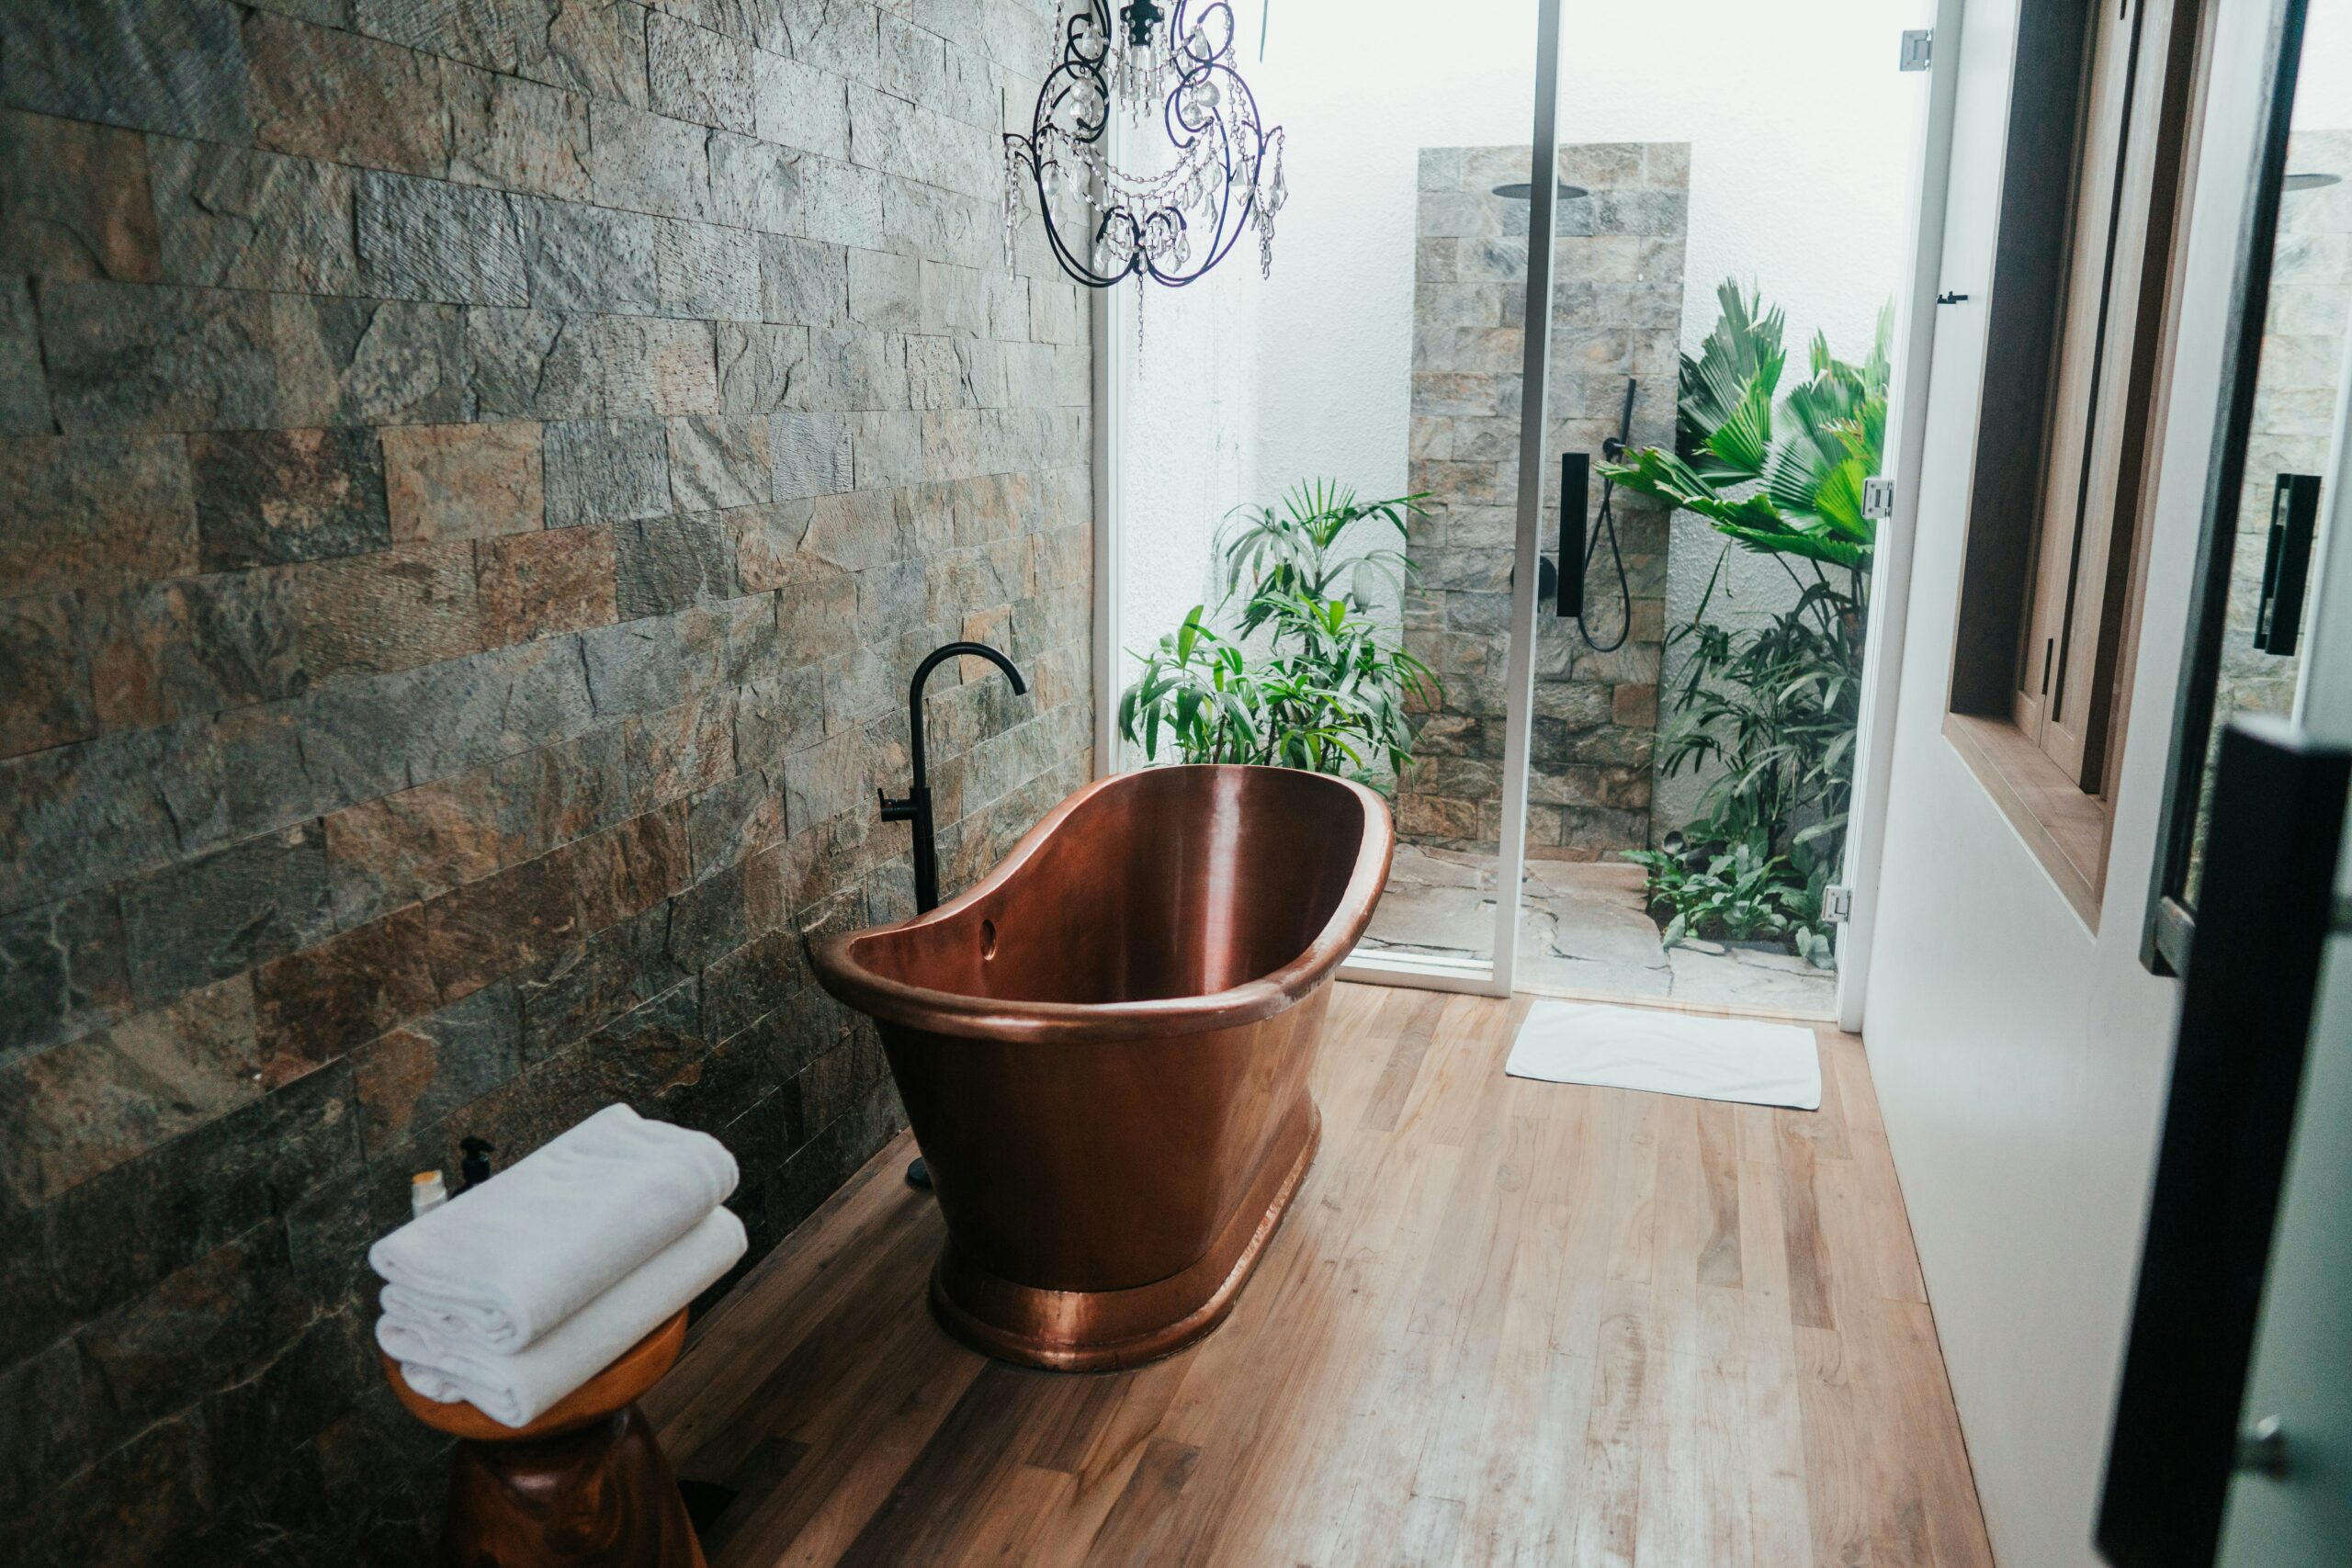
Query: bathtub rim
[{"x": 996, "y": 1017}]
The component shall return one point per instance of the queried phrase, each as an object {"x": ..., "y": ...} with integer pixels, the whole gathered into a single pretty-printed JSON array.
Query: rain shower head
[
  {"x": 2291, "y": 183},
  {"x": 1522, "y": 190}
]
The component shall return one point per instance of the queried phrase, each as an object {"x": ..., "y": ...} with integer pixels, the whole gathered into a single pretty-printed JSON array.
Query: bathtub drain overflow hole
[{"x": 988, "y": 940}]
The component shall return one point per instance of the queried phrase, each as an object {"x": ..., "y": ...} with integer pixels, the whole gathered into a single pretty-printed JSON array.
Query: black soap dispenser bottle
[{"x": 474, "y": 1168}]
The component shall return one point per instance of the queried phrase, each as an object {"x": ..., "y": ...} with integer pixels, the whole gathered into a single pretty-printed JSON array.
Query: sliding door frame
[
  {"x": 1109, "y": 351},
  {"x": 1890, "y": 567},
  {"x": 1111, "y": 364},
  {"x": 1534, "y": 441},
  {"x": 1494, "y": 978}
]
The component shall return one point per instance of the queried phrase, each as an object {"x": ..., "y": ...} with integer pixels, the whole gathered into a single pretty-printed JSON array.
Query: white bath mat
[{"x": 1669, "y": 1053}]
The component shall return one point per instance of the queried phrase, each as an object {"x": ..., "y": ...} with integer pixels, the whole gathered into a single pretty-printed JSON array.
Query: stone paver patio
[{"x": 1584, "y": 930}]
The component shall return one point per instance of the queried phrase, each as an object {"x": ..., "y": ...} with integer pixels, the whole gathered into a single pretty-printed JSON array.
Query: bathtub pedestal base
[{"x": 1100, "y": 1331}]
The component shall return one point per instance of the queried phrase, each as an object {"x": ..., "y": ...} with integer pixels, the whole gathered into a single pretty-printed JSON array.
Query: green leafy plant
[
  {"x": 1774, "y": 708},
  {"x": 1771, "y": 707},
  {"x": 1305, "y": 678},
  {"x": 1788, "y": 484},
  {"x": 1738, "y": 893}
]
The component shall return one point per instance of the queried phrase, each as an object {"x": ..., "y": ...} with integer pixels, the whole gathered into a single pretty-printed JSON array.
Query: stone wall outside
[
  {"x": 2294, "y": 400},
  {"x": 2293, "y": 423},
  {"x": 474, "y": 478},
  {"x": 1617, "y": 312}
]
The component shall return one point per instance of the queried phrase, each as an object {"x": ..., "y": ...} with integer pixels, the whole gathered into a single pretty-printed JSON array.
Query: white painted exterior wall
[
  {"x": 2021, "y": 1058},
  {"x": 2324, "y": 89}
]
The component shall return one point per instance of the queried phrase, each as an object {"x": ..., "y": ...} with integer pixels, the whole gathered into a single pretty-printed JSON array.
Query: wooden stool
[{"x": 583, "y": 1486}]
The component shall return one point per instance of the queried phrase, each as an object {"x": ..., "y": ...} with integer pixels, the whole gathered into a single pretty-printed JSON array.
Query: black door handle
[{"x": 2287, "y": 563}]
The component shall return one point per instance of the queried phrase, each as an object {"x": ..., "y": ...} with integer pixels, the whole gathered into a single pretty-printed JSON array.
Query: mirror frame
[{"x": 2171, "y": 925}]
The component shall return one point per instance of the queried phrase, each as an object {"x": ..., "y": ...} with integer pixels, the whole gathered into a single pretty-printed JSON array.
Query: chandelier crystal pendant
[{"x": 1223, "y": 172}]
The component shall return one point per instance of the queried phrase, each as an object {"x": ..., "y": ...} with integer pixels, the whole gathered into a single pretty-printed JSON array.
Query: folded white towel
[
  {"x": 497, "y": 1267},
  {"x": 516, "y": 1389}
]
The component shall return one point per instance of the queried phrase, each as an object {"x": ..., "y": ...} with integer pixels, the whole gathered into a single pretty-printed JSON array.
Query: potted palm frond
[{"x": 1304, "y": 676}]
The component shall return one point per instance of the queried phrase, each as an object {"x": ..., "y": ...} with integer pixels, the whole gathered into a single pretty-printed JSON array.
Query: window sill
[{"x": 2065, "y": 829}]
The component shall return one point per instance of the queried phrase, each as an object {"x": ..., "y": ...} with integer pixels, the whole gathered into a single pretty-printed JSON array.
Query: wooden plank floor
[{"x": 1505, "y": 1322}]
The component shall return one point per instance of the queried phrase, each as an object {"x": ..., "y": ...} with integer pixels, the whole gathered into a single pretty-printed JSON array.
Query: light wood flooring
[{"x": 1505, "y": 1322}]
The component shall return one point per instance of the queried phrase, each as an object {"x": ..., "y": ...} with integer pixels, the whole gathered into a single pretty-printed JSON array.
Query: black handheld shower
[{"x": 1578, "y": 545}]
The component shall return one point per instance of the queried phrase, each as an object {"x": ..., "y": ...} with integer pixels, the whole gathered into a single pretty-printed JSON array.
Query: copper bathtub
[{"x": 1103, "y": 1048}]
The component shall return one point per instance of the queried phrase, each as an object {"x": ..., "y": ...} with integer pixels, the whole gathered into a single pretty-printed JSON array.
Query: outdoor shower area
[
  {"x": 1360, "y": 410},
  {"x": 1621, "y": 239}
]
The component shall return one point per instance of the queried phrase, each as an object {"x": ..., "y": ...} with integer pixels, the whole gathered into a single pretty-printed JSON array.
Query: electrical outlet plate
[{"x": 1878, "y": 497}]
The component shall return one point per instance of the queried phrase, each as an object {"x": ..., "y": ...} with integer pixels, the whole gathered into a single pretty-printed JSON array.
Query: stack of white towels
[{"x": 522, "y": 1287}]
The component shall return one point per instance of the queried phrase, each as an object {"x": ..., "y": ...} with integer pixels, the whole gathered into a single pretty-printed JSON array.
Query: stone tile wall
[
  {"x": 1617, "y": 312},
  {"x": 474, "y": 478}
]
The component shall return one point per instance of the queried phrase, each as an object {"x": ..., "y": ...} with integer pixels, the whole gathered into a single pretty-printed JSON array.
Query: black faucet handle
[{"x": 895, "y": 810}]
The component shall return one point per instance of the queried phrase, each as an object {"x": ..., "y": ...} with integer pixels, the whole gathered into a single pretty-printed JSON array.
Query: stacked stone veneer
[
  {"x": 476, "y": 477},
  {"x": 1617, "y": 312}
]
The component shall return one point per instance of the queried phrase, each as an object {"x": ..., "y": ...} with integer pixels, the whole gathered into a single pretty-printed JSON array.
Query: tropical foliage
[
  {"x": 1769, "y": 710},
  {"x": 1736, "y": 892},
  {"x": 1788, "y": 486},
  {"x": 1303, "y": 677}
]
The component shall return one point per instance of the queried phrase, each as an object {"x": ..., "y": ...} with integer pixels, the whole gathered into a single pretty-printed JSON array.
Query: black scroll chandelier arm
[
  {"x": 1077, "y": 81},
  {"x": 1231, "y": 224},
  {"x": 1147, "y": 226}
]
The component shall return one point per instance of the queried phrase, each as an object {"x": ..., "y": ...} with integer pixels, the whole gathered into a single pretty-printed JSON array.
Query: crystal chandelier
[{"x": 1225, "y": 169}]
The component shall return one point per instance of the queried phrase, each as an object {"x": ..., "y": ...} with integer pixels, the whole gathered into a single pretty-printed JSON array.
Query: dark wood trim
[
  {"x": 2090, "y": 352},
  {"x": 2123, "y": 461},
  {"x": 2065, "y": 829},
  {"x": 2058, "y": 799},
  {"x": 2027, "y": 288},
  {"x": 2210, "y": 582}
]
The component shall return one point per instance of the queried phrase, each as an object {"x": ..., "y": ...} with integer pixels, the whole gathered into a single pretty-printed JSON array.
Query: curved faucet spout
[
  {"x": 916, "y": 806},
  {"x": 932, "y": 661}
]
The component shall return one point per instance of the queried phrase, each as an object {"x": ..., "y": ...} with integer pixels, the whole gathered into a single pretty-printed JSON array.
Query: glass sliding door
[
  {"x": 1494, "y": 259},
  {"x": 1382, "y": 356},
  {"x": 1482, "y": 235},
  {"x": 1717, "y": 395}
]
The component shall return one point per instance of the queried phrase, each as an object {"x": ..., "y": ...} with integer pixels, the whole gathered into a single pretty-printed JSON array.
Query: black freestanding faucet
[{"x": 916, "y": 806}]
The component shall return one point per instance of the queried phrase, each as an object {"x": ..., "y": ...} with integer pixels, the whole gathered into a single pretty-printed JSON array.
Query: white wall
[
  {"x": 1795, "y": 181},
  {"x": 2323, "y": 85},
  {"x": 1191, "y": 402},
  {"x": 2021, "y": 1058},
  {"x": 1800, "y": 129}
]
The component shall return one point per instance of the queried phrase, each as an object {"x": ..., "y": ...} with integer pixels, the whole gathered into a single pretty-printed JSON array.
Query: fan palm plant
[
  {"x": 1773, "y": 708},
  {"x": 1788, "y": 486}
]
